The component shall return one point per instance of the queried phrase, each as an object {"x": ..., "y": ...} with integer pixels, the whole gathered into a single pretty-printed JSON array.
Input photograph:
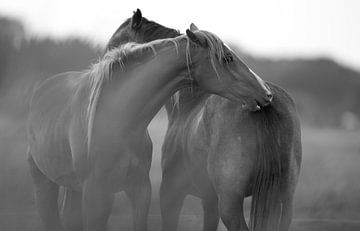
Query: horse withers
[
  {"x": 87, "y": 130},
  {"x": 222, "y": 151}
]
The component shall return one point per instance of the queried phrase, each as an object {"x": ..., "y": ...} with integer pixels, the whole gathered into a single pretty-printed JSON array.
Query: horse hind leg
[
  {"x": 231, "y": 212},
  {"x": 46, "y": 194},
  {"x": 71, "y": 211}
]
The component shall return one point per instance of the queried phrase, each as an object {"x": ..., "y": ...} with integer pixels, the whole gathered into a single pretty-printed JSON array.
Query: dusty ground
[{"x": 327, "y": 197}]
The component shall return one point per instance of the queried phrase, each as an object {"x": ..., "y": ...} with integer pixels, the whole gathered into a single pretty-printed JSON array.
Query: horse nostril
[{"x": 269, "y": 97}]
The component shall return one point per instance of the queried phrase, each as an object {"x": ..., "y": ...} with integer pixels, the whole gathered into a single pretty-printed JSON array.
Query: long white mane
[
  {"x": 123, "y": 56},
  {"x": 130, "y": 53},
  {"x": 216, "y": 53}
]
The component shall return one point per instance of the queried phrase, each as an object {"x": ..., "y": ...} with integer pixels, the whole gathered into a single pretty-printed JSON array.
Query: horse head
[
  {"x": 140, "y": 30},
  {"x": 229, "y": 75}
]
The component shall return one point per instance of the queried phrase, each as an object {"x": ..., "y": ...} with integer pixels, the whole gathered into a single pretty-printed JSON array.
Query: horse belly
[
  {"x": 51, "y": 152},
  {"x": 57, "y": 166}
]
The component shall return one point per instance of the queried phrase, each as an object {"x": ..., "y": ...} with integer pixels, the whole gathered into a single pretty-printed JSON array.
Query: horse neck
[{"x": 138, "y": 93}]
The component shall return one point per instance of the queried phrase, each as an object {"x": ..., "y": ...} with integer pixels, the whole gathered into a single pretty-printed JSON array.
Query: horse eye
[{"x": 228, "y": 59}]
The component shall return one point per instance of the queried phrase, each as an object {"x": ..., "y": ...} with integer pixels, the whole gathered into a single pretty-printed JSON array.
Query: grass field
[{"x": 327, "y": 196}]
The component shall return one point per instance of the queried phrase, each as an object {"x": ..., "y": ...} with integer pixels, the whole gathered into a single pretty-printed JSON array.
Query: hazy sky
[{"x": 276, "y": 28}]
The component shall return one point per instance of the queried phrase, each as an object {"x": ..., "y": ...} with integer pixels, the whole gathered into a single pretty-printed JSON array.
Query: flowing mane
[
  {"x": 216, "y": 47},
  {"x": 131, "y": 53},
  {"x": 123, "y": 56},
  {"x": 150, "y": 31},
  {"x": 216, "y": 51}
]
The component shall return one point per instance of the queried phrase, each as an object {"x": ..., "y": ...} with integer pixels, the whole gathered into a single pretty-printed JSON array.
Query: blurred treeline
[
  {"x": 326, "y": 93},
  {"x": 26, "y": 61}
]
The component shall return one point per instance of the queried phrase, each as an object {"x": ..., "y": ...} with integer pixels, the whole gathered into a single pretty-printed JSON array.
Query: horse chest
[{"x": 123, "y": 170}]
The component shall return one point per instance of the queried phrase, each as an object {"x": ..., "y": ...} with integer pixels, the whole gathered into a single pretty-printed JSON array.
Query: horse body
[
  {"x": 58, "y": 131},
  {"x": 212, "y": 150},
  {"x": 119, "y": 155}
]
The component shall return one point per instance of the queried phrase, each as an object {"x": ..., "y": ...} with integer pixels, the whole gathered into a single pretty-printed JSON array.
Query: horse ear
[
  {"x": 193, "y": 27},
  {"x": 136, "y": 19},
  {"x": 193, "y": 37}
]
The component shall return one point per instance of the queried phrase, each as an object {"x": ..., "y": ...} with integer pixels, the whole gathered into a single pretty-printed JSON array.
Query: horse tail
[{"x": 266, "y": 206}]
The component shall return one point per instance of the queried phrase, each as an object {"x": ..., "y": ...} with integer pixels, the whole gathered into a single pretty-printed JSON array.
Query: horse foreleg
[
  {"x": 71, "y": 214},
  {"x": 231, "y": 212},
  {"x": 46, "y": 193},
  {"x": 211, "y": 212},
  {"x": 173, "y": 191},
  {"x": 139, "y": 194},
  {"x": 97, "y": 204}
]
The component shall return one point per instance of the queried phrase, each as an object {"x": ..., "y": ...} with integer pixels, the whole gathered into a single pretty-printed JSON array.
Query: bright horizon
[{"x": 275, "y": 29}]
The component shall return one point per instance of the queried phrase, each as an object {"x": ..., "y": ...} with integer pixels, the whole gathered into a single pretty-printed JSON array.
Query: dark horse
[{"x": 222, "y": 151}]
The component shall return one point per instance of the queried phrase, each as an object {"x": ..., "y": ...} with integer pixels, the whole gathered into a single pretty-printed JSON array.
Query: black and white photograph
[{"x": 179, "y": 115}]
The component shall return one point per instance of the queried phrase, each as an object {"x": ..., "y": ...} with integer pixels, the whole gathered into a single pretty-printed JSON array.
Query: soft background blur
[{"x": 310, "y": 48}]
